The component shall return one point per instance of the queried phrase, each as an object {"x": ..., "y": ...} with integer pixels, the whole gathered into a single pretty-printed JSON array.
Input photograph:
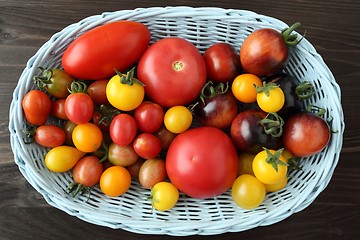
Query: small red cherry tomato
[
  {"x": 123, "y": 129},
  {"x": 50, "y": 136},
  {"x": 58, "y": 109},
  {"x": 147, "y": 145},
  {"x": 37, "y": 107},
  {"x": 149, "y": 116},
  {"x": 222, "y": 62}
]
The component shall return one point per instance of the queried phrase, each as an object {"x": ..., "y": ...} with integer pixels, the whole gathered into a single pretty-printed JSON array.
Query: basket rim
[{"x": 202, "y": 228}]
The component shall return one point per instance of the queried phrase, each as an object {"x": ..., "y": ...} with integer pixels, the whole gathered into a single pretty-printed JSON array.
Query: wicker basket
[{"x": 131, "y": 211}]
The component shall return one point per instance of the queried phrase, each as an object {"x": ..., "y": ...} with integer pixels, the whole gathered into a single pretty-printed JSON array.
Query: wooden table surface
[{"x": 332, "y": 27}]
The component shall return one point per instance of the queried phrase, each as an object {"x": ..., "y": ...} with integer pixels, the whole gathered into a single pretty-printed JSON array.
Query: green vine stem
[
  {"x": 209, "y": 90},
  {"x": 291, "y": 38},
  {"x": 305, "y": 90},
  {"x": 273, "y": 124},
  {"x": 129, "y": 78},
  {"x": 77, "y": 87}
]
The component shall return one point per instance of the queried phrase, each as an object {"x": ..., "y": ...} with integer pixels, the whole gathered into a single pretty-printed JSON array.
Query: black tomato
[
  {"x": 249, "y": 135},
  {"x": 217, "y": 106}
]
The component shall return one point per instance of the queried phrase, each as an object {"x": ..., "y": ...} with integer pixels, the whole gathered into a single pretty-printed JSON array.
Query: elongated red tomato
[
  {"x": 96, "y": 53},
  {"x": 173, "y": 72},
  {"x": 37, "y": 106}
]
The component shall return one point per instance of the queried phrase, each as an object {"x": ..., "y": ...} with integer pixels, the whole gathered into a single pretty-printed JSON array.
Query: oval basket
[{"x": 132, "y": 211}]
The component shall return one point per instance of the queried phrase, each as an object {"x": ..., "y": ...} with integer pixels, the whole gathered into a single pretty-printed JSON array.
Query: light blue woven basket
[{"x": 131, "y": 211}]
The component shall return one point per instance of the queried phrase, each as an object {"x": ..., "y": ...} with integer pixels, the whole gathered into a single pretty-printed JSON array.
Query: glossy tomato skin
[
  {"x": 202, "y": 162},
  {"x": 97, "y": 91},
  {"x": 37, "y": 107},
  {"x": 58, "y": 109},
  {"x": 79, "y": 108},
  {"x": 149, "y": 116},
  {"x": 248, "y": 134},
  {"x": 50, "y": 136},
  {"x": 62, "y": 158},
  {"x": 173, "y": 71},
  {"x": 218, "y": 111},
  {"x": 151, "y": 172},
  {"x": 222, "y": 62},
  {"x": 96, "y": 53},
  {"x": 305, "y": 134},
  {"x": 147, "y": 145},
  {"x": 264, "y": 53},
  {"x": 87, "y": 171},
  {"x": 123, "y": 129},
  {"x": 59, "y": 81}
]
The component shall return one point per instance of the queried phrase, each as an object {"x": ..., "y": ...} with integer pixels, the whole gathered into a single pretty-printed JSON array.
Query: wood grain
[{"x": 332, "y": 27}]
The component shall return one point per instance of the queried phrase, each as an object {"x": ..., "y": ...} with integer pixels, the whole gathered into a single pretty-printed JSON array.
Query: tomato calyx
[
  {"x": 77, "y": 87},
  {"x": 44, "y": 79},
  {"x": 77, "y": 188},
  {"x": 304, "y": 90},
  {"x": 273, "y": 124},
  {"x": 289, "y": 38},
  {"x": 266, "y": 88},
  {"x": 274, "y": 159},
  {"x": 209, "y": 91},
  {"x": 29, "y": 132},
  {"x": 152, "y": 199},
  {"x": 107, "y": 113},
  {"x": 129, "y": 78}
]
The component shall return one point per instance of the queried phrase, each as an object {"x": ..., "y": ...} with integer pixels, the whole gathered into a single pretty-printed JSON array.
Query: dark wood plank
[{"x": 332, "y": 27}]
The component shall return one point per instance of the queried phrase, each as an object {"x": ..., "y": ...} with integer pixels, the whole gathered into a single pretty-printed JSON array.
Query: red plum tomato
[
  {"x": 123, "y": 129},
  {"x": 50, "y": 136},
  {"x": 37, "y": 107},
  {"x": 95, "y": 54}
]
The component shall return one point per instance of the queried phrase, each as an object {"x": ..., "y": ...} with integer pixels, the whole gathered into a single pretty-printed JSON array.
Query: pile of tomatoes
[{"x": 172, "y": 118}]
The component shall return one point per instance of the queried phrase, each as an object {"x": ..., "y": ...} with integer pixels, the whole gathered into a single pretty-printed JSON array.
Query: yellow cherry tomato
[
  {"x": 243, "y": 87},
  {"x": 62, "y": 158},
  {"x": 125, "y": 92},
  {"x": 87, "y": 137},
  {"x": 270, "y": 98},
  {"x": 164, "y": 196},
  {"x": 277, "y": 186},
  {"x": 269, "y": 166},
  {"x": 178, "y": 119},
  {"x": 248, "y": 192},
  {"x": 115, "y": 181}
]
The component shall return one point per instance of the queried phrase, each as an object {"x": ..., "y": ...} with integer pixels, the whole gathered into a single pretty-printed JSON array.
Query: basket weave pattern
[{"x": 132, "y": 211}]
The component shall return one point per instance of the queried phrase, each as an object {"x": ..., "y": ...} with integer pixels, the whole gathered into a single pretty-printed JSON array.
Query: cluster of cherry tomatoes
[{"x": 173, "y": 118}]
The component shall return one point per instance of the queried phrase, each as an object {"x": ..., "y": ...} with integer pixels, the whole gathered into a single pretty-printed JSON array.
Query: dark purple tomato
[
  {"x": 249, "y": 135},
  {"x": 218, "y": 111},
  {"x": 265, "y": 51}
]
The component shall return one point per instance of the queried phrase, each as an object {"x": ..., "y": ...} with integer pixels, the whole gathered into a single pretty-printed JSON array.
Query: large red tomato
[
  {"x": 202, "y": 162},
  {"x": 173, "y": 72},
  {"x": 96, "y": 53}
]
